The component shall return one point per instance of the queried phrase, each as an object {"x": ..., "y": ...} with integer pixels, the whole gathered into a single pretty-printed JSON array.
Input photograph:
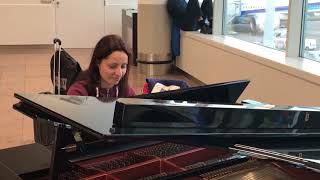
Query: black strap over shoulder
[{"x": 69, "y": 70}]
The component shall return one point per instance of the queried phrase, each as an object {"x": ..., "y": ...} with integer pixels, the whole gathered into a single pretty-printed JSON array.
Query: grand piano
[{"x": 135, "y": 138}]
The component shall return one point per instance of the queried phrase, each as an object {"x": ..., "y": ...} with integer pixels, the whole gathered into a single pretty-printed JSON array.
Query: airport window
[
  {"x": 311, "y": 38},
  {"x": 262, "y": 22}
]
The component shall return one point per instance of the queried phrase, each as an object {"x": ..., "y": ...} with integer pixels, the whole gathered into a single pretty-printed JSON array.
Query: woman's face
[{"x": 113, "y": 68}]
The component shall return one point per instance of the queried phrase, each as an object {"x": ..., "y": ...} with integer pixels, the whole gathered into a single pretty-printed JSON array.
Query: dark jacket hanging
[{"x": 184, "y": 16}]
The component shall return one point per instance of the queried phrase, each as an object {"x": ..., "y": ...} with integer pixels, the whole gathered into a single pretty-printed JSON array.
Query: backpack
[{"x": 69, "y": 70}]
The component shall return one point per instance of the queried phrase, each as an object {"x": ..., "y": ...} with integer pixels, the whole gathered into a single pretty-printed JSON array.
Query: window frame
[
  {"x": 295, "y": 42},
  {"x": 218, "y": 17},
  {"x": 295, "y": 31}
]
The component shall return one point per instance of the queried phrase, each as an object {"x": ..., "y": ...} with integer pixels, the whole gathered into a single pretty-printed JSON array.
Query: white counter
[{"x": 275, "y": 78}]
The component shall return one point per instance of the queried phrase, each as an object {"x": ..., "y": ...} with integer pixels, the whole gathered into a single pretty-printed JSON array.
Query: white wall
[
  {"x": 26, "y": 23},
  {"x": 212, "y": 63},
  {"x": 20, "y": 1},
  {"x": 152, "y": 2},
  {"x": 80, "y": 23},
  {"x": 113, "y": 14},
  {"x": 122, "y": 1}
]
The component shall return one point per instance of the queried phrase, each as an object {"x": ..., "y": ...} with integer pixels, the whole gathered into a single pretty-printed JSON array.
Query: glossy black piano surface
[
  {"x": 156, "y": 139},
  {"x": 136, "y": 117},
  {"x": 226, "y": 92},
  {"x": 206, "y": 118},
  {"x": 87, "y": 113}
]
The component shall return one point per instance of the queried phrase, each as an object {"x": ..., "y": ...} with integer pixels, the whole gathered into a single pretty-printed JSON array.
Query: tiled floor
[{"x": 26, "y": 69}]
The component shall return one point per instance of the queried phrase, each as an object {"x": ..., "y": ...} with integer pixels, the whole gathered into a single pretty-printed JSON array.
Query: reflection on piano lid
[
  {"x": 87, "y": 113},
  {"x": 139, "y": 117},
  {"x": 226, "y": 92},
  {"x": 140, "y": 113}
]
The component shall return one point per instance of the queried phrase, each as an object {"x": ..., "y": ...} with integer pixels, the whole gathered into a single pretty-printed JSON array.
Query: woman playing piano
[{"x": 107, "y": 75}]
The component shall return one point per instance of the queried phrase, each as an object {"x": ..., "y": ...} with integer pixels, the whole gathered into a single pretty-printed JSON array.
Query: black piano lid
[
  {"x": 226, "y": 92},
  {"x": 158, "y": 117},
  {"x": 96, "y": 117},
  {"x": 7, "y": 173},
  {"x": 85, "y": 113}
]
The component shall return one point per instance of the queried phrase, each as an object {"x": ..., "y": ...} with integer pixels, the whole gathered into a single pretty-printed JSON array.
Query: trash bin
[
  {"x": 152, "y": 64},
  {"x": 154, "y": 34}
]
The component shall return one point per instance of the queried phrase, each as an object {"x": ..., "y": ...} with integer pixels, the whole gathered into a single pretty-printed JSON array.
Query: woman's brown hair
[{"x": 105, "y": 47}]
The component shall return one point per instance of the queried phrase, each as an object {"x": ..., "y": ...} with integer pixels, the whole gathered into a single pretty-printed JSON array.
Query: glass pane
[
  {"x": 311, "y": 38},
  {"x": 262, "y": 22}
]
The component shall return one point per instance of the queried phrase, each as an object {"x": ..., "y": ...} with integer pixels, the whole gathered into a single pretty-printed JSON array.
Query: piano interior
[
  {"x": 147, "y": 139},
  {"x": 170, "y": 160}
]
